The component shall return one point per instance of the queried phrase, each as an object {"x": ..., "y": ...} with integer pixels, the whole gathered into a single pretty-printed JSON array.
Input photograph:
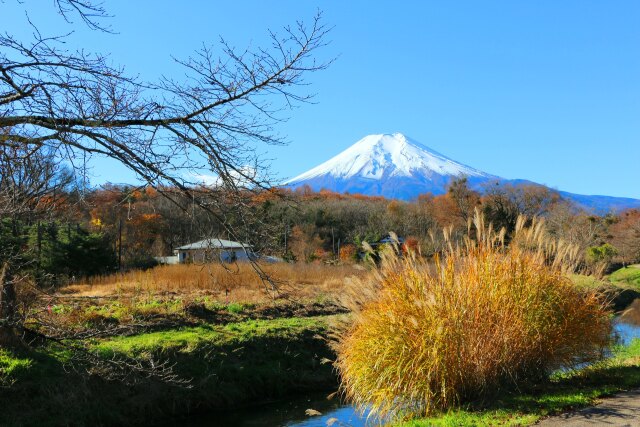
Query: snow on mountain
[
  {"x": 397, "y": 167},
  {"x": 383, "y": 156},
  {"x": 389, "y": 165}
]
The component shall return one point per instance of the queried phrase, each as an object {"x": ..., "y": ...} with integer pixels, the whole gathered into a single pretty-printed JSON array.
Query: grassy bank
[
  {"x": 563, "y": 392},
  {"x": 235, "y": 353},
  {"x": 626, "y": 276},
  {"x": 618, "y": 288},
  {"x": 623, "y": 278},
  {"x": 248, "y": 361},
  {"x": 228, "y": 365}
]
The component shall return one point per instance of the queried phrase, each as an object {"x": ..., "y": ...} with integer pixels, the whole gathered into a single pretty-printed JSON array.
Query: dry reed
[
  {"x": 427, "y": 337},
  {"x": 233, "y": 282}
]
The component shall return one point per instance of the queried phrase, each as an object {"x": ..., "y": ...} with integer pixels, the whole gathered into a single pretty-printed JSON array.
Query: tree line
[{"x": 128, "y": 226}]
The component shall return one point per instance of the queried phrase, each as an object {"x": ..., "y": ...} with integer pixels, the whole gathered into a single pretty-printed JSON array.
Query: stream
[{"x": 292, "y": 412}]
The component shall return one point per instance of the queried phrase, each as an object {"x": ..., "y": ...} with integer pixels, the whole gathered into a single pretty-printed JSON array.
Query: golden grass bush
[{"x": 428, "y": 336}]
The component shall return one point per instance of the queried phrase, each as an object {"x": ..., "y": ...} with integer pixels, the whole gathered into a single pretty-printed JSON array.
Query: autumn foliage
[
  {"x": 347, "y": 252},
  {"x": 315, "y": 226}
]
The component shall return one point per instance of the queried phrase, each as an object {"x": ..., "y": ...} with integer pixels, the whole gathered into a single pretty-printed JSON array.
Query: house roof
[
  {"x": 214, "y": 243},
  {"x": 390, "y": 239}
]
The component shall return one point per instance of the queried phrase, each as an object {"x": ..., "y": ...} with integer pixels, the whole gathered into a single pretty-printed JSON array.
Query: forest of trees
[{"x": 125, "y": 227}]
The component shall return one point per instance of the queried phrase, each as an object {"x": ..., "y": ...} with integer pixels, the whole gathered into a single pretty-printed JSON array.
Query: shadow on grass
[
  {"x": 229, "y": 366},
  {"x": 569, "y": 392},
  {"x": 565, "y": 392}
]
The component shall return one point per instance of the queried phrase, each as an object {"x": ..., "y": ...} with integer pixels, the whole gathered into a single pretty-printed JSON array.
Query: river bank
[
  {"x": 238, "y": 358},
  {"x": 235, "y": 366},
  {"x": 227, "y": 365}
]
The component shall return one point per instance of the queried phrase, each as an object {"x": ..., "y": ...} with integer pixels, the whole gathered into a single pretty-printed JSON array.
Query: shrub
[
  {"x": 426, "y": 337},
  {"x": 348, "y": 253},
  {"x": 319, "y": 255},
  {"x": 601, "y": 254},
  {"x": 411, "y": 244}
]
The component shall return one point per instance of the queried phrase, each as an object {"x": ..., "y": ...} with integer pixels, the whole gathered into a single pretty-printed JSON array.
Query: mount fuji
[{"x": 397, "y": 167}]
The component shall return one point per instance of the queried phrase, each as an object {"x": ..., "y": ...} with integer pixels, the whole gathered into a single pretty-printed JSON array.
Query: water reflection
[
  {"x": 627, "y": 325},
  {"x": 292, "y": 413}
]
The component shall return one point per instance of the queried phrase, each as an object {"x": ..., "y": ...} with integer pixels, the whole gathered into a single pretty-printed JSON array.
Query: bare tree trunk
[
  {"x": 7, "y": 305},
  {"x": 120, "y": 245}
]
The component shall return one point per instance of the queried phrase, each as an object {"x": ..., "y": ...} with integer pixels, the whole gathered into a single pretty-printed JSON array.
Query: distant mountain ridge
[{"x": 397, "y": 167}]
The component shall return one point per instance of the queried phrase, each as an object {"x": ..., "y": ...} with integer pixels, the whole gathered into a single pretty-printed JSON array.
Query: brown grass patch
[{"x": 235, "y": 282}]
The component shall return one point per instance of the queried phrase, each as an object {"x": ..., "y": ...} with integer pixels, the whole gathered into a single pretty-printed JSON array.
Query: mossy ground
[{"x": 152, "y": 312}]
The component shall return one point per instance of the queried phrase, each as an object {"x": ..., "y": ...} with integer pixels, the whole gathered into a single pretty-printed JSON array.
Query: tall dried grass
[
  {"x": 234, "y": 282},
  {"x": 427, "y": 337}
]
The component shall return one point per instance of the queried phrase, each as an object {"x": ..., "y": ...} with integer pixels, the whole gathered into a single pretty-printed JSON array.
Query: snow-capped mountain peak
[
  {"x": 397, "y": 167},
  {"x": 383, "y": 156}
]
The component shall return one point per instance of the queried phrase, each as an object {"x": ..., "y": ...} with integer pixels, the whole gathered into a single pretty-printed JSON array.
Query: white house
[{"x": 214, "y": 249}]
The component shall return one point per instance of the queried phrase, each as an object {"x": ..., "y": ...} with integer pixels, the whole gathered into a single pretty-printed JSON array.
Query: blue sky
[{"x": 543, "y": 90}]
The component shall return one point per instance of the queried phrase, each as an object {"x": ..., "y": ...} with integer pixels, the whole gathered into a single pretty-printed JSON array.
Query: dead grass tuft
[{"x": 427, "y": 337}]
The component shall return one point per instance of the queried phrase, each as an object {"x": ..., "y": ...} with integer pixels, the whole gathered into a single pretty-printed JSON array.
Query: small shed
[
  {"x": 166, "y": 260},
  {"x": 214, "y": 249}
]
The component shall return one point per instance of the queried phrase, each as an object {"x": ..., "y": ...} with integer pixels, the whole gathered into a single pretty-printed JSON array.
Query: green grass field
[{"x": 628, "y": 276}]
